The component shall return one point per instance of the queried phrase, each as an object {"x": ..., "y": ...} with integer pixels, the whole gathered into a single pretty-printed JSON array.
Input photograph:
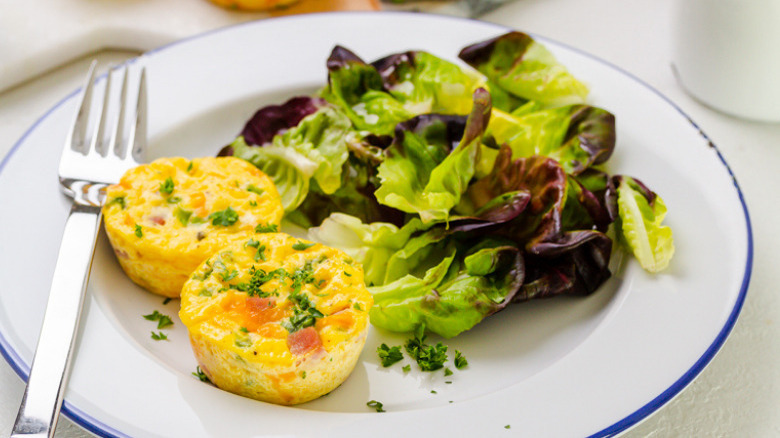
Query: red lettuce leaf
[{"x": 270, "y": 120}]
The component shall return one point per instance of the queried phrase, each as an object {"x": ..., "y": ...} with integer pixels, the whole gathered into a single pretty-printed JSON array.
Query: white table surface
[{"x": 738, "y": 394}]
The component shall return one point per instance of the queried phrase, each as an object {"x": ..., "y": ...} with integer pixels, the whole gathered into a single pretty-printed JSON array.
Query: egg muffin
[
  {"x": 165, "y": 218},
  {"x": 277, "y": 318}
]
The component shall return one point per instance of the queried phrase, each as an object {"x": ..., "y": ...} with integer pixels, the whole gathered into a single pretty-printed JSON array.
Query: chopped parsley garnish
[
  {"x": 460, "y": 360},
  {"x": 197, "y": 220},
  {"x": 301, "y": 319},
  {"x": 304, "y": 312},
  {"x": 258, "y": 278},
  {"x": 228, "y": 275},
  {"x": 389, "y": 355},
  {"x": 260, "y": 254},
  {"x": 260, "y": 228},
  {"x": 173, "y": 200},
  {"x": 300, "y": 300},
  {"x": 204, "y": 293},
  {"x": 166, "y": 301},
  {"x": 347, "y": 274},
  {"x": 303, "y": 374},
  {"x": 139, "y": 232},
  {"x": 433, "y": 391},
  {"x": 301, "y": 246},
  {"x": 252, "y": 188},
  {"x": 201, "y": 375},
  {"x": 244, "y": 329},
  {"x": 507, "y": 427},
  {"x": 428, "y": 357},
  {"x": 159, "y": 336},
  {"x": 447, "y": 372},
  {"x": 407, "y": 368},
  {"x": 376, "y": 405},
  {"x": 119, "y": 200},
  {"x": 224, "y": 218},
  {"x": 253, "y": 203},
  {"x": 356, "y": 306},
  {"x": 301, "y": 276},
  {"x": 166, "y": 187},
  {"x": 162, "y": 320},
  {"x": 182, "y": 215}
]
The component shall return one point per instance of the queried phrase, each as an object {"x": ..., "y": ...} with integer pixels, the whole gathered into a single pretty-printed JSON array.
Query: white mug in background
[{"x": 726, "y": 54}]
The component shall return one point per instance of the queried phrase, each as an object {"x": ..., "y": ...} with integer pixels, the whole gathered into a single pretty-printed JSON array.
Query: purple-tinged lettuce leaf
[
  {"x": 499, "y": 210},
  {"x": 559, "y": 259},
  {"x": 425, "y": 83},
  {"x": 578, "y": 136},
  {"x": 592, "y": 131},
  {"x": 271, "y": 120},
  {"x": 315, "y": 149},
  {"x": 545, "y": 181},
  {"x": 526, "y": 69},
  {"x": 415, "y": 181},
  {"x": 321, "y": 166},
  {"x": 577, "y": 266},
  {"x": 357, "y": 88},
  {"x": 584, "y": 209}
]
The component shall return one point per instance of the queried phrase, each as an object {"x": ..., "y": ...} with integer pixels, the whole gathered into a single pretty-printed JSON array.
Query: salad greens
[
  {"x": 525, "y": 68},
  {"x": 638, "y": 222},
  {"x": 423, "y": 177},
  {"x": 460, "y": 190}
]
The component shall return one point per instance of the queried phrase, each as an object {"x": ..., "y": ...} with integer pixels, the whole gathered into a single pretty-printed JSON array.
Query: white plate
[{"x": 562, "y": 367}]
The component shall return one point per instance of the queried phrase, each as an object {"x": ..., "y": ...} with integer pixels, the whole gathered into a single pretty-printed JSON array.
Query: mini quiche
[
  {"x": 165, "y": 218},
  {"x": 277, "y": 318}
]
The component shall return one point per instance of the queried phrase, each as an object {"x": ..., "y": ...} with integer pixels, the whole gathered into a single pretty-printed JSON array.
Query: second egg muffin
[
  {"x": 277, "y": 318},
  {"x": 166, "y": 217}
]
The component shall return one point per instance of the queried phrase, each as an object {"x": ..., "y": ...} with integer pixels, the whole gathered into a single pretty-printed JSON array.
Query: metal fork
[{"x": 86, "y": 169}]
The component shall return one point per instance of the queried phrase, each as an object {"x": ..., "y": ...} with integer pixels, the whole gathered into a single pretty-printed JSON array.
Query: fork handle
[{"x": 42, "y": 399}]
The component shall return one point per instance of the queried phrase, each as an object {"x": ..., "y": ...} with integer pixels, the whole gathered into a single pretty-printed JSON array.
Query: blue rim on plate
[{"x": 97, "y": 427}]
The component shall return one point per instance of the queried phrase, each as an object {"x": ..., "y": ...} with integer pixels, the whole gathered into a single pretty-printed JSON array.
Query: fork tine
[
  {"x": 138, "y": 133},
  {"x": 78, "y": 133},
  {"x": 98, "y": 143},
  {"x": 116, "y": 143}
]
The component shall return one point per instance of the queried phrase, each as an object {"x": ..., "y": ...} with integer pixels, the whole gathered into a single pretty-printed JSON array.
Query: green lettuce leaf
[
  {"x": 455, "y": 294},
  {"x": 289, "y": 169},
  {"x": 525, "y": 68},
  {"x": 425, "y": 83},
  {"x": 415, "y": 179},
  {"x": 372, "y": 245},
  {"x": 577, "y": 136},
  {"x": 316, "y": 148},
  {"x": 356, "y": 87},
  {"x": 322, "y": 137},
  {"x": 639, "y": 224}
]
